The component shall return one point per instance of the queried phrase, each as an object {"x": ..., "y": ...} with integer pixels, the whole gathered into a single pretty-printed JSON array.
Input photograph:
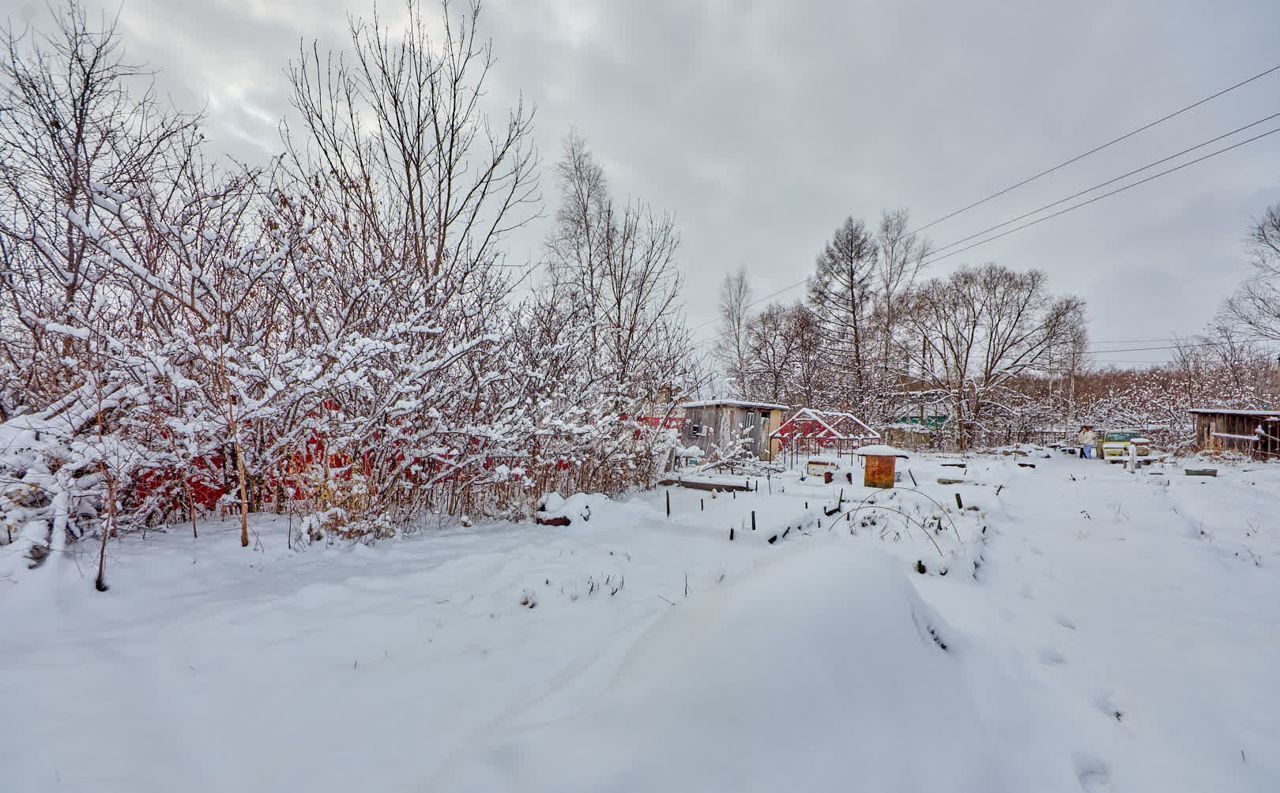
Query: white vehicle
[{"x": 1115, "y": 446}]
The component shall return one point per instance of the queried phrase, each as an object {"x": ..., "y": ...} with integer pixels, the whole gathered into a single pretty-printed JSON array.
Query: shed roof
[
  {"x": 733, "y": 403},
  {"x": 834, "y": 425},
  {"x": 1229, "y": 412}
]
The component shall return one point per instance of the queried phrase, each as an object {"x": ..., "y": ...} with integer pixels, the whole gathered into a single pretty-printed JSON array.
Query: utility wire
[
  {"x": 1165, "y": 172},
  {"x": 755, "y": 302},
  {"x": 1135, "y": 341},
  {"x": 933, "y": 257},
  {"x": 1101, "y": 185},
  {"x": 1167, "y": 347},
  {"x": 1107, "y": 194},
  {"x": 1182, "y": 346},
  {"x": 1097, "y": 149}
]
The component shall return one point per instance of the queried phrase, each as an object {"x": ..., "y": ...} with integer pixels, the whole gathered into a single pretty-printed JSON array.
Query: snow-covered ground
[{"x": 1094, "y": 630}]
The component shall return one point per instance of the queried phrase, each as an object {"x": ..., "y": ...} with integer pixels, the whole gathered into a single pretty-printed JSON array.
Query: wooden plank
[{"x": 712, "y": 486}]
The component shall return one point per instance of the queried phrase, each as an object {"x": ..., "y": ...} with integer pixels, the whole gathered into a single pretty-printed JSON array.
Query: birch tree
[
  {"x": 734, "y": 315},
  {"x": 618, "y": 262}
]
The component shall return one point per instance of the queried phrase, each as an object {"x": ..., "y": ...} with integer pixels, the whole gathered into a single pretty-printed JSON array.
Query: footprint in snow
[
  {"x": 1094, "y": 774},
  {"x": 1050, "y": 656},
  {"x": 1065, "y": 622},
  {"x": 1107, "y": 705}
]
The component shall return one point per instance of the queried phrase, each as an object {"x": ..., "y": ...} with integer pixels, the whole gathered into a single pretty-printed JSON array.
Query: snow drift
[{"x": 821, "y": 671}]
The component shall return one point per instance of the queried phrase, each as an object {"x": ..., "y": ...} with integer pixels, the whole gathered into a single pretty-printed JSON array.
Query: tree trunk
[
  {"x": 191, "y": 506},
  {"x": 244, "y": 497},
  {"x": 110, "y": 526}
]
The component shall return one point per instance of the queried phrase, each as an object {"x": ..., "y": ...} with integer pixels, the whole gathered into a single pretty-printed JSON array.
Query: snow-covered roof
[
  {"x": 1226, "y": 411},
  {"x": 920, "y": 428},
  {"x": 733, "y": 403},
  {"x": 879, "y": 450},
  {"x": 829, "y": 420}
]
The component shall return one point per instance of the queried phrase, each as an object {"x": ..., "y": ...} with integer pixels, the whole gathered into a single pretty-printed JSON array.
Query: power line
[
  {"x": 1097, "y": 149},
  {"x": 1064, "y": 211},
  {"x": 757, "y": 301},
  {"x": 1156, "y": 349},
  {"x": 1108, "y": 194},
  {"x": 1101, "y": 185},
  {"x": 1181, "y": 346}
]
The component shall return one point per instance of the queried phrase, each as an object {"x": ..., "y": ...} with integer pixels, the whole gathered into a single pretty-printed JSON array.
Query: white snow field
[{"x": 1095, "y": 630}]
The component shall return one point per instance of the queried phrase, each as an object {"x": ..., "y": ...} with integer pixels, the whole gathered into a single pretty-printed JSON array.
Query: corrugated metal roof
[
  {"x": 1229, "y": 412},
  {"x": 733, "y": 403}
]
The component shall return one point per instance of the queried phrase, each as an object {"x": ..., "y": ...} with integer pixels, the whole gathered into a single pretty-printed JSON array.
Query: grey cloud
[{"x": 761, "y": 125}]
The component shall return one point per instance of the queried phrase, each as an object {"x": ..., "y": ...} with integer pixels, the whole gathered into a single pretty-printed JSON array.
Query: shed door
[{"x": 752, "y": 423}]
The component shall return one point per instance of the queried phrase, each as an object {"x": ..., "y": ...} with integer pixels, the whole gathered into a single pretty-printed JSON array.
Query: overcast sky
[{"x": 761, "y": 125}]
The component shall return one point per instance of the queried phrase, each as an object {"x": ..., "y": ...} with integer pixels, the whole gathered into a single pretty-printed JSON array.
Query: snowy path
[
  {"x": 1165, "y": 632},
  {"x": 1122, "y": 633}
]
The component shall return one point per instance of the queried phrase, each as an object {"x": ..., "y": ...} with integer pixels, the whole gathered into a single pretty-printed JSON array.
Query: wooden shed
[
  {"x": 1252, "y": 432},
  {"x": 716, "y": 423}
]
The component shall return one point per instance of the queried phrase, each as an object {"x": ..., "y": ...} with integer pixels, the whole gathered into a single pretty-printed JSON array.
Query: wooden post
[
  {"x": 730, "y": 534},
  {"x": 702, "y": 505},
  {"x": 753, "y": 520},
  {"x": 668, "y": 503},
  {"x": 959, "y": 503},
  {"x": 191, "y": 506}
]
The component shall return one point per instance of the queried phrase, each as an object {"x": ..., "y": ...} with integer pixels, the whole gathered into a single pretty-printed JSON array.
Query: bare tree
[
  {"x": 79, "y": 125},
  {"x": 977, "y": 330},
  {"x": 902, "y": 255},
  {"x": 772, "y": 354},
  {"x": 785, "y": 358},
  {"x": 731, "y": 343},
  {"x": 621, "y": 261},
  {"x": 1255, "y": 306},
  {"x": 403, "y": 189},
  {"x": 1068, "y": 361},
  {"x": 611, "y": 272}
]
